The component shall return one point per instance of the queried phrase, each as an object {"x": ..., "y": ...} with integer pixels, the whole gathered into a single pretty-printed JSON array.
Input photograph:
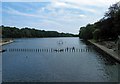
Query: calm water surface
[{"x": 56, "y": 66}]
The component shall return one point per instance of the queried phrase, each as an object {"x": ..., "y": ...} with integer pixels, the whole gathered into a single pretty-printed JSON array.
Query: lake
[{"x": 40, "y": 60}]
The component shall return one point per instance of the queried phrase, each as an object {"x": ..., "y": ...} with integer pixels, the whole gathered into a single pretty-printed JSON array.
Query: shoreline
[
  {"x": 4, "y": 43},
  {"x": 110, "y": 52}
]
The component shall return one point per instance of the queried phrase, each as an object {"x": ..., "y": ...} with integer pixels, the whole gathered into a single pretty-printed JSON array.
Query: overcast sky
[{"x": 53, "y": 15}]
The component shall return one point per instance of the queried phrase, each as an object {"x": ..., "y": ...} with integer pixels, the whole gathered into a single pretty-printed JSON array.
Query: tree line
[
  {"x": 107, "y": 28},
  {"x": 13, "y": 32}
]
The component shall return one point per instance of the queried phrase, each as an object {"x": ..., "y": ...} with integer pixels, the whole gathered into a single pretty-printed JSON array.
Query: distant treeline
[
  {"x": 13, "y": 32},
  {"x": 108, "y": 28}
]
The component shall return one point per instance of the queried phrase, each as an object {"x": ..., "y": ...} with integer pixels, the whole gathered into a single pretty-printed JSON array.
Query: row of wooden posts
[{"x": 50, "y": 50}]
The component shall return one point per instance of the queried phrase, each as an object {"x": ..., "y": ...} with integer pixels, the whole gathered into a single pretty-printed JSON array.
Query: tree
[
  {"x": 13, "y": 32},
  {"x": 108, "y": 27},
  {"x": 96, "y": 34},
  {"x": 86, "y": 32}
]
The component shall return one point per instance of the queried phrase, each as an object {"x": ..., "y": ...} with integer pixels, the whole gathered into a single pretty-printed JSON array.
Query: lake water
[{"x": 53, "y": 66}]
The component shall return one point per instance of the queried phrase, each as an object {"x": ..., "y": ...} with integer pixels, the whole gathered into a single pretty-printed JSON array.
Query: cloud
[
  {"x": 74, "y": 1},
  {"x": 65, "y": 5},
  {"x": 92, "y": 2},
  {"x": 16, "y": 12},
  {"x": 59, "y": 4},
  {"x": 24, "y": 0},
  {"x": 82, "y": 16},
  {"x": 61, "y": 15}
]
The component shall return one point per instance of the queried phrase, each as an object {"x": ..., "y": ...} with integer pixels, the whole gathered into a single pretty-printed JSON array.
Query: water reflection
[
  {"x": 105, "y": 63},
  {"x": 28, "y": 60}
]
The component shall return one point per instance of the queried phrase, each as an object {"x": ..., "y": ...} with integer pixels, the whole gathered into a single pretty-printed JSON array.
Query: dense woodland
[
  {"x": 108, "y": 28},
  {"x": 13, "y": 32}
]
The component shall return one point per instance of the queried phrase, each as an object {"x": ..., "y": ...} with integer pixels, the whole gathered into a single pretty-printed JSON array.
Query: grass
[{"x": 93, "y": 40}]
